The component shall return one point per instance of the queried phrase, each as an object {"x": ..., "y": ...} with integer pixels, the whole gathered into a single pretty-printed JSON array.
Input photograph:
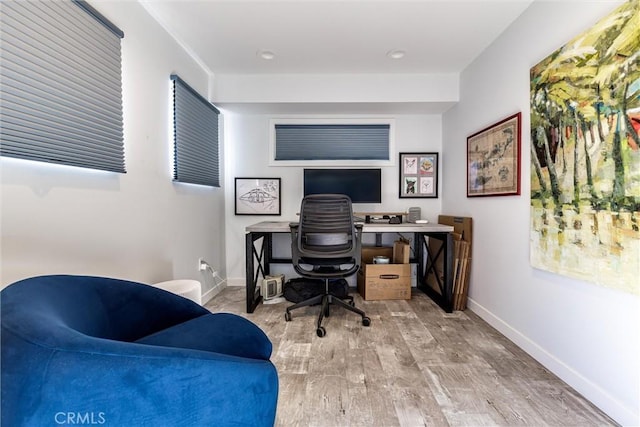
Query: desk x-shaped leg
[
  {"x": 435, "y": 276},
  {"x": 258, "y": 258}
]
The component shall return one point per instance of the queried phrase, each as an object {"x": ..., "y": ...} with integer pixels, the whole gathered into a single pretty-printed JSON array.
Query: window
[
  {"x": 306, "y": 142},
  {"x": 195, "y": 132},
  {"x": 61, "y": 85}
]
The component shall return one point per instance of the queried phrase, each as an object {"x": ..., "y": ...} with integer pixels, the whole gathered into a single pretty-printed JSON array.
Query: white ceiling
[{"x": 335, "y": 36}]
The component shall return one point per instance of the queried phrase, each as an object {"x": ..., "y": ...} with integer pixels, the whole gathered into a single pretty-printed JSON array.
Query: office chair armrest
[{"x": 294, "y": 229}]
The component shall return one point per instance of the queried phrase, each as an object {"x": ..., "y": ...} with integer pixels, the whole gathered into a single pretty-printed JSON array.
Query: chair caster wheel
[
  {"x": 366, "y": 321},
  {"x": 321, "y": 332},
  {"x": 287, "y": 317}
]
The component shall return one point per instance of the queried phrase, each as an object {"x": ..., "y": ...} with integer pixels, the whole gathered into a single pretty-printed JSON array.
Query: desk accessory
[
  {"x": 383, "y": 219},
  {"x": 413, "y": 214}
]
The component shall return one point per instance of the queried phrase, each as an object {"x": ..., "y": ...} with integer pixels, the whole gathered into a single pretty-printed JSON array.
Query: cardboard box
[
  {"x": 401, "y": 252},
  {"x": 384, "y": 281}
]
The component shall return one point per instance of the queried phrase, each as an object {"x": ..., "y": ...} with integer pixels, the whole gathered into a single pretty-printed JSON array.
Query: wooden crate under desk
[{"x": 384, "y": 281}]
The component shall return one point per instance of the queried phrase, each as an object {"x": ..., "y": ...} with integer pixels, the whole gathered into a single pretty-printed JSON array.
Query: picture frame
[
  {"x": 493, "y": 159},
  {"x": 257, "y": 196},
  {"x": 418, "y": 175}
]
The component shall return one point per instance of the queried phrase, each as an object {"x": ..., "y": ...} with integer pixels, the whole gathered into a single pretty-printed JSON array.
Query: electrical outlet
[{"x": 202, "y": 264}]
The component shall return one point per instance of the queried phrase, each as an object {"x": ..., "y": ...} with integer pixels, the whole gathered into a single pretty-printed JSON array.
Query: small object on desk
[
  {"x": 386, "y": 219},
  {"x": 380, "y": 259},
  {"x": 422, "y": 221},
  {"x": 413, "y": 214}
]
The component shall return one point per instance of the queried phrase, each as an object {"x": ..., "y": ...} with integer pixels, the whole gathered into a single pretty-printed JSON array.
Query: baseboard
[
  {"x": 591, "y": 391},
  {"x": 236, "y": 281},
  {"x": 208, "y": 296}
]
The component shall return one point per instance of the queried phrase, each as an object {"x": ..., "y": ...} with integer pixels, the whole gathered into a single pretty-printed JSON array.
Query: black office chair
[{"x": 326, "y": 244}]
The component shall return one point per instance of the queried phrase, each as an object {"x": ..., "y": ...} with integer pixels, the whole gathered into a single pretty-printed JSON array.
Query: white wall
[
  {"x": 586, "y": 334},
  {"x": 336, "y": 88},
  {"x": 137, "y": 225},
  {"x": 247, "y": 154}
]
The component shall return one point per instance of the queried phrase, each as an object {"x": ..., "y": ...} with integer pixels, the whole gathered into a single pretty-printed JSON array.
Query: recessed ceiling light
[
  {"x": 266, "y": 54},
  {"x": 396, "y": 54}
]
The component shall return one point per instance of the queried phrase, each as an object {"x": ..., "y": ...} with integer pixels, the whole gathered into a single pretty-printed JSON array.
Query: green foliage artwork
[{"x": 585, "y": 155}]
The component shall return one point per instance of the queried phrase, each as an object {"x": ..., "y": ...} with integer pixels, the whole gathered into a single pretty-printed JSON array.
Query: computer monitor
[{"x": 361, "y": 185}]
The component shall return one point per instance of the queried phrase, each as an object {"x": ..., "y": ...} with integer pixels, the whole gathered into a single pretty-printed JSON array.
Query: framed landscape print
[
  {"x": 418, "y": 175},
  {"x": 493, "y": 159},
  {"x": 257, "y": 196}
]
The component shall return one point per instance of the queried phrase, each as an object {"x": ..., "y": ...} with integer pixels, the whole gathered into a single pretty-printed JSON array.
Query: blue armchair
[{"x": 93, "y": 350}]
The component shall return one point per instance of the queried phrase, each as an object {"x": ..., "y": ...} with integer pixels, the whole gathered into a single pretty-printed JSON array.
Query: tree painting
[{"x": 585, "y": 155}]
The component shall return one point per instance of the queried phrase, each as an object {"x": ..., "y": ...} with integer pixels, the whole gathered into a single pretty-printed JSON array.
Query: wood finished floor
[{"x": 414, "y": 366}]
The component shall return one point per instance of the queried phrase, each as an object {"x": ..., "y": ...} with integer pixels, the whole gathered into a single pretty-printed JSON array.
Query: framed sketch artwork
[
  {"x": 418, "y": 175},
  {"x": 493, "y": 159},
  {"x": 257, "y": 196}
]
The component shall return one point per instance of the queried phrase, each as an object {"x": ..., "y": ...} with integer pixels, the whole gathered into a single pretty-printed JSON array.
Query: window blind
[
  {"x": 195, "y": 127},
  {"x": 61, "y": 85},
  {"x": 332, "y": 141}
]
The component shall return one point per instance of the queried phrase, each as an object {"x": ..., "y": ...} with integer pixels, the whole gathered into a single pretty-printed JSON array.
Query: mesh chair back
[{"x": 326, "y": 227}]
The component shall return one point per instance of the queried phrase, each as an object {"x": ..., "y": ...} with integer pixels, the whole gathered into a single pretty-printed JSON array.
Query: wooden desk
[{"x": 259, "y": 256}]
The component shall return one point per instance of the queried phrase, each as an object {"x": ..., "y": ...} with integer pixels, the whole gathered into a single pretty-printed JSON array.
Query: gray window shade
[
  {"x": 61, "y": 85},
  {"x": 195, "y": 126},
  {"x": 332, "y": 142}
]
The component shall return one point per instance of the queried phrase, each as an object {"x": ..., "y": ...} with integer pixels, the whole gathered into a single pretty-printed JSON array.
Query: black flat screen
[{"x": 361, "y": 185}]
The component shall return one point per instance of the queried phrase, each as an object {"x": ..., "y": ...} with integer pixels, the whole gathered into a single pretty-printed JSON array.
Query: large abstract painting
[{"x": 585, "y": 156}]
